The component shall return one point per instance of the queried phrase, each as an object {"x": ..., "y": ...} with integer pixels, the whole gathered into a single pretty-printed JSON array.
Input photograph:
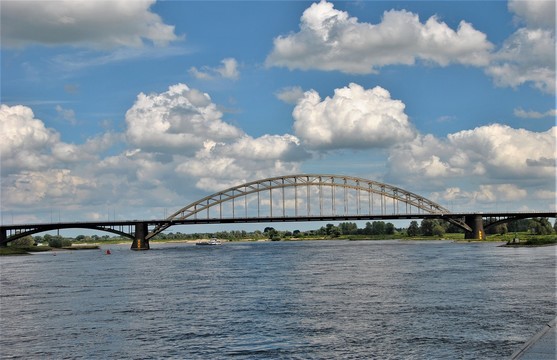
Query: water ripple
[{"x": 301, "y": 300}]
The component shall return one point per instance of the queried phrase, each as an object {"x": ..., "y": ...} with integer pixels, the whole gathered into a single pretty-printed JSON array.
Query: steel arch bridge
[
  {"x": 306, "y": 197},
  {"x": 290, "y": 198}
]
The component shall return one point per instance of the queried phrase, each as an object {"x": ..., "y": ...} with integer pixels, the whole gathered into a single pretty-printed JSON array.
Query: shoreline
[{"x": 100, "y": 245}]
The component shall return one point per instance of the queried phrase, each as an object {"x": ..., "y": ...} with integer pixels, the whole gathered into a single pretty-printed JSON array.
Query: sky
[{"x": 125, "y": 109}]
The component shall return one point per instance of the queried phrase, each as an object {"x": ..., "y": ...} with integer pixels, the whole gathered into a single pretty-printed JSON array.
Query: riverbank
[
  {"x": 506, "y": 240},
  {"x": 12, "y": 250}
]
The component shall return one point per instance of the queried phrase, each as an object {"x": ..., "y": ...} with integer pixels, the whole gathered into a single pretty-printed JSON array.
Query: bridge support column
[
  {"x": 3, "y": 238},
  {"x": 477, "y": 224},
  {"x": 140, "y": 243}
]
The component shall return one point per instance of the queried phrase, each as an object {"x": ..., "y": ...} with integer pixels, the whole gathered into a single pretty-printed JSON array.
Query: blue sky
[{"x": 137, "y": 108}]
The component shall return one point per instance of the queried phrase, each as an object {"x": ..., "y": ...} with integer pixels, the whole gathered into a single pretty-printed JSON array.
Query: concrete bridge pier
[
  {"x": 141, "y": 231},
  {"x": 477, "y": 224},
  {"x": 3, "y": 238}
]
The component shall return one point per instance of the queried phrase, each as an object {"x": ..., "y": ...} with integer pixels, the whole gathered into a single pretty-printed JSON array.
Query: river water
[{"x": 305, "y": 300}]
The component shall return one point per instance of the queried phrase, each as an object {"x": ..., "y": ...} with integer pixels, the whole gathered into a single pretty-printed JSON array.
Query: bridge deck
[{"x": 192, "y": 221}]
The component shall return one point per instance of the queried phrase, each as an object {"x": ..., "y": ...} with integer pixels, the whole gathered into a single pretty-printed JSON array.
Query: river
[{"x": 304, "y": 300}]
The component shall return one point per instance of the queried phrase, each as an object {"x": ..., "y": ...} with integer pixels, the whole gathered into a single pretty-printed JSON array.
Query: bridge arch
[
  {"x": 43, "y": 228},
  {"x": 492, "y": 221},
  {"x": 306, "y": 195}
]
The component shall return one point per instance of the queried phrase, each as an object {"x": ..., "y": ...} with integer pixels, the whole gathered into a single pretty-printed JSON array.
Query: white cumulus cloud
[
  {"x": 92, "y": 24},
  {"x": 35, "y": 187},
  {"x": 25, "y": 140},
  {"x": 491, "y": 152},
  {"x": 354, "y": 118},
  {"x": 221, "y": 165},
  {"x": 509, "y": 152},
  {"x": 177, "y": 120},
  {"x": 26, "y": 144},
  {"x": 290, "y": 95},
  {"x": 228, "y": 70},
  {"x": 537, "y": 13},
  {"x": 330, "y": 39},
  {"x": 528, "y": 55}
]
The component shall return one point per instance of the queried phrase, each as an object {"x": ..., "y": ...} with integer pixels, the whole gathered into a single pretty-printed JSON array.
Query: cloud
[
  {"x": 179, "y": 120},
  {"x": 519, "y": 112},
  {"x": 67, "y": 115},
  {"x": 426, "y": 157},
  {"x": 184, "y": 126},
  {"x": 228, "y": 70},
  {"x": 493, "y": 152},
  {"x": 221, "y": 165},
  {"x": 508, "y": 152},
  {"x": 534, "y": 13},
  {"x": 290, "y": 95},
  {"x": 485, "y": 194},
  {"x": 26, "y": 142},
  {"x": 354, "y": 118},
  {"x": 27, "y": 145},
  {"x": 330, "y": 39},
  {"x": 545, "y": 195},
  {"x": 172, "y": 139},
  {"x": 77, "y": 60},
  {"x": 33, "y": 187},
  {"x": 528, "y": 55},
  {"x": 83, "y": 23}
]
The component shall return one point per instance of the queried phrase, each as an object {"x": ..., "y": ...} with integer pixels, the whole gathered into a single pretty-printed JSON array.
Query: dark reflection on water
[{"x": 310, "y": 300}]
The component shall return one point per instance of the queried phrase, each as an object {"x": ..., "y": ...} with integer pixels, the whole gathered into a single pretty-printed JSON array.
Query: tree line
[{"x": 427, "y": 227}]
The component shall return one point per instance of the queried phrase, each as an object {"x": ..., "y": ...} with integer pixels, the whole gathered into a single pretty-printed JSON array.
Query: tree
[
  {"x": 452, "y": 228},
  {"x": 348, "y": 228},
  {"x": 332, "y": 230},
  {"x": 413, "y": 229},
  {"x": 367, "y": 230},
  {"x": 498, "y": 229},
  {"x": 426, "y": 227},
  {"x": 378, "y": 228},
  {"x": 23, "y": 242},
  {"x": 58, "y": 242},
  {"x": 438, "y": 230},
  {"x": 389, "y": 228},
  {"x": 518, "y": 225},
  {"x": 271, "y": 233},
  {"x": 540, "y": 226}
]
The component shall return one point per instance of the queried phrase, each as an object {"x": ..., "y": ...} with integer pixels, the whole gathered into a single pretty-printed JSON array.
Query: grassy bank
[
  {"x": 13, "y": 250},
  {"x": 524, "y": 239}
]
